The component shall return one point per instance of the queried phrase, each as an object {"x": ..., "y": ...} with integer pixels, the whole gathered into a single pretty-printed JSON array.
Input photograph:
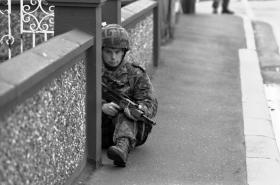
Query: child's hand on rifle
[
  {"x": 128, "y": 113},
  {"x": 133, "y": 113},
  {"x": 111, "y": 108}
]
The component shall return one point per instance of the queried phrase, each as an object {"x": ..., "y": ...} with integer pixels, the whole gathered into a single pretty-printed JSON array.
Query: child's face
[{"x": 112, "y": 56}]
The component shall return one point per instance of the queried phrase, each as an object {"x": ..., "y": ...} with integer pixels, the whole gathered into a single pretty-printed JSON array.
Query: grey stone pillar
[
  {"x": 85, "y": 15},
  {"x": 111, "y": 12}
]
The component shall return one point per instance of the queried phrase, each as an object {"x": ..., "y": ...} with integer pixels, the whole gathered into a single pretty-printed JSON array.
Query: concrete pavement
[
  {"x": 260, "y": 94},
  {"x": 199, "y": 138}
]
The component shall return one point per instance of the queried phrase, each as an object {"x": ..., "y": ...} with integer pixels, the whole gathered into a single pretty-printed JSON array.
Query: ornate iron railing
[
  {"x": 23, "y": 25},
  {"x": 7, "y": 38}
]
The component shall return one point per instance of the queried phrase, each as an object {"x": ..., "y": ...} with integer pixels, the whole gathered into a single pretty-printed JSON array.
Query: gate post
[
  {"x": 157, "y": 33},
  {"x": 85, "y": 15},
  {"x": 111, "y": 12}
]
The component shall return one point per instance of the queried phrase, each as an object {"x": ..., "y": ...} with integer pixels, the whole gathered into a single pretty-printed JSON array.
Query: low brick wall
[
  {"x": 43, "y": 136},
  {"x": 138, "y": 19},
  {"x": 142, "y": 43}
]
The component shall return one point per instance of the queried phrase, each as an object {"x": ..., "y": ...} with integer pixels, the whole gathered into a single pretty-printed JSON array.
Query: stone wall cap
[
  {"x": 78, "y": 1},
  {"x": 136, "y": 9},
  {"x": 24, "y": 71}
]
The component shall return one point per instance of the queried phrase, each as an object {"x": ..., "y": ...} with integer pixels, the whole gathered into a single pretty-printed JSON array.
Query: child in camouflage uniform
[{"x": 121, "y": 131}]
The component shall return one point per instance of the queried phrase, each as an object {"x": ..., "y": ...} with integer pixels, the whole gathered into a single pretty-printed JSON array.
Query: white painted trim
[
  {"x": 249, "y": 10},
  {"x": 249, "y": 33}
]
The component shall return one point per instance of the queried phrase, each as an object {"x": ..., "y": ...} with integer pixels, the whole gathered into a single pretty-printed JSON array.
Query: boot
[
  {"x": 215, "y": 11},
  {"x": 119, "y": 152},
  {"x": 227, "y": 11}
]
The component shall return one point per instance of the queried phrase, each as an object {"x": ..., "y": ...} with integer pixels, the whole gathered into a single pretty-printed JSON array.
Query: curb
[{"x": 262, "y": 155}]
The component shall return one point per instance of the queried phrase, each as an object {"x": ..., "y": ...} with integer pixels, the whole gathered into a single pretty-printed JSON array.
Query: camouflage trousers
[{"x": 117, "y": 127}]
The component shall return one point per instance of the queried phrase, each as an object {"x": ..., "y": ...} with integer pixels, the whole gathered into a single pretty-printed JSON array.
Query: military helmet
[{"x": 115, "y": 36}]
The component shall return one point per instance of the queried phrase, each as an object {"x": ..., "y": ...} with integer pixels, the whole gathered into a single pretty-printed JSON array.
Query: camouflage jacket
[{"x": 132, "y": 81}]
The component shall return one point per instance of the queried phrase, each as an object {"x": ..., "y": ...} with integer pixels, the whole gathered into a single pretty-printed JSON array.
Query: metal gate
[{"x": 23, "y": 25}]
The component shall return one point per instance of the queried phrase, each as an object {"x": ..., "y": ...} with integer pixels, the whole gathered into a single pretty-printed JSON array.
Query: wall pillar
[
  {"x": 157, "y": 34},
  {"x": 111, "y": 12},
  {"x": 85, "y": 15}
]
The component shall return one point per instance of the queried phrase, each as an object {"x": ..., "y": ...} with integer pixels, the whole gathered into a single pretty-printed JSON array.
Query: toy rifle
[{"x": 123, "y": 101}]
